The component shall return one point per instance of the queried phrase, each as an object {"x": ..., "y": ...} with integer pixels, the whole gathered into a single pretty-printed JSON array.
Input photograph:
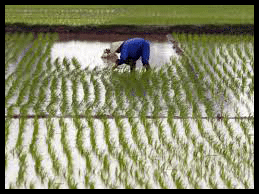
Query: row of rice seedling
[
  {"x": 61, "y": 16},
  {"x": 134, "y": 151},
  {"x": 181, "y": 158}
]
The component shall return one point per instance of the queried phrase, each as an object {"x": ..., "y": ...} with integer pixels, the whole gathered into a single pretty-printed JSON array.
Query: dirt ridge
[
  {"x": 18, "y": 116},
  {"x": 128, "y": 29}
]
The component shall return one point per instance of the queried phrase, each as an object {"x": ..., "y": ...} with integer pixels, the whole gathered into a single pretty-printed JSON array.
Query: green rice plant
[
  {"x": 122, "y": 139},
  {"x": 104, "y": 178},
  {"x": 106, "y": 163},
  {"x": 88, "y": 161},
  {"x": 139, "y": 179},
  {"x": 76, "y": 63},
  {"x": 52, "y": 184},
  {"x": 173, "y": 127},
  {"x": 128, "y": 185},
  {"x": 240, "y": 53},
  {"x": 11, "y": 91},
  {"x": 87, "y": 179},
  {"x": 85, "y": 85},
  {"x": 71, "y": 183},
  {"x": 122, "y": 162},
  {"x": 212, "y": 184},
  {"x": 32, "y": 185},
  {"x": 92, "y": 134},
  {"x": 34, "y": 87},
  {"x": 245, "y": 127},
  {"x": 225, "y": 179},
  {"x": 55, "y": 161},
  {"x": 75, "y": 103},
  {"x": 33, "y": 150},
  {"x": 11, "y": 186},
  {"x": 65, "y": 146},
  {"x": 57, "y": 64},
  {"x": 200, "y": 126},
  {"x": 42, "y": 96},
  {"x": 182, "y": 107},
  {"x": 244, "y": 83},
  {"x": 248, "y": 52},
  {"x": 187, "y": 128},
  {"x": 148, "y": 132},
  {"x": 135, "y": 133},
  {"x": 92, "y": 185},
  {"x": 20, "y": 44},
  {"x": 161, "y": 134},
  {"x": 230, "y": 50},
  {"x": 191, "y": 179},
  {"x": 19, "y": 142},
  {"x": 143, "y": 111},
  {"x": 48, "y": 65},
  {"x": 7, "y": 128},
  {"x": 177, "y": 180},
  {"x": 6, "y": 161},
  {"x": 9, "y": 80},
  {"x": 64, "y": 102},
  {"x": 107, "y": 136},
  {"x": 66, "y": 64},
  {"x": 22, "y": 169},
  {"x": 23, "y": 91},
  {"x": 52, "y": 106},
  {"x": 118, "y": 91},
  {"x": 160, "y": 180},
  {"x": 79, "y": 135},
  {"x": 219, "y": 73}
]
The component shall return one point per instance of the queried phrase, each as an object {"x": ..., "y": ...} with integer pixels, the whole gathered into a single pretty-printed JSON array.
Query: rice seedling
[
  {"x": 177, "y": 180},
  {"x": 160, "y": 179},
  {"x": 191, "y": 88},
  {"x": 22, "y": 170},
  {"x": 66, "y": 148}
]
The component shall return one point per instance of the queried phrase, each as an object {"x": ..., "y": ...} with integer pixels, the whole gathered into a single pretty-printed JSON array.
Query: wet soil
[
  {"x": 18, "y": 116},
  {"x": 110, "y": 33}
]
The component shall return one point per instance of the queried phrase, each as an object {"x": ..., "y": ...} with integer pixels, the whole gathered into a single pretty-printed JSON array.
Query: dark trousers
[{"x": 133, "y": 65}]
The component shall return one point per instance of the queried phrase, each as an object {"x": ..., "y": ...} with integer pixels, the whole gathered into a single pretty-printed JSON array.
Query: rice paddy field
[
  {"x": 189, "y": 124},
  {"x": 129, "y": 14},
  {"x": 72, "y": 123}
]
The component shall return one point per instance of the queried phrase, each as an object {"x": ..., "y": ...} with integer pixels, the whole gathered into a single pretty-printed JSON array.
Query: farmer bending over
[{"x": 131, "y": 50}]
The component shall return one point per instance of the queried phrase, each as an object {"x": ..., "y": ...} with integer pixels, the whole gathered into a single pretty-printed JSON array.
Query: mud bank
[{"x": 111, "y": 32}]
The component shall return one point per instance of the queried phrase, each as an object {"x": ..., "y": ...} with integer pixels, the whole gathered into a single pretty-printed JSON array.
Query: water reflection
[{"x": 89, "y": 53}]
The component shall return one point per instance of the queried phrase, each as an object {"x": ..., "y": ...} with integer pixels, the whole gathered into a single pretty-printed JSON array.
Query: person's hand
[
  {"x": 116, "y": 64},
  {"x": 114, "y": 67}
]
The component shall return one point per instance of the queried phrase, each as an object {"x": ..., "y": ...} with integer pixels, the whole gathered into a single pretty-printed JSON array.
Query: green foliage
[{"x": 129, "y": 14}]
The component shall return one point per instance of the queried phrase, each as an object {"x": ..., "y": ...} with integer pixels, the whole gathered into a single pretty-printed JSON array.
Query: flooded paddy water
[{"x": 89, "y": 53}]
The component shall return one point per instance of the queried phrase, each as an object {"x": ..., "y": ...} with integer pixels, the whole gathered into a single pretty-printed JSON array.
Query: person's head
[
  {"x": 111, "y": 52},
  {"x": 115, "y": 47}
]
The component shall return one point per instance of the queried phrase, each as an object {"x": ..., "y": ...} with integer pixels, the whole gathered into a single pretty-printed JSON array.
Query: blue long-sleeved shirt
[{"x": 135, "y": 48}]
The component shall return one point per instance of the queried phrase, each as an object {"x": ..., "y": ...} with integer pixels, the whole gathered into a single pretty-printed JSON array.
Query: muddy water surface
[{"x": 89, "y": 53}]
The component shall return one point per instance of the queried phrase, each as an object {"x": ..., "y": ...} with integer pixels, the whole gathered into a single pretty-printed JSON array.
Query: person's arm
[
  {"x": 122, "y": 58},
  {"x": 116, "y": 64},
  {"x": 146, "y": 53}
]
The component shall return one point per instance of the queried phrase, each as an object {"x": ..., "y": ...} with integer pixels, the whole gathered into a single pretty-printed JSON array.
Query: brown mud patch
[
  {"x": 18, "y": 116},
  {"x": 111, "y": 33}
]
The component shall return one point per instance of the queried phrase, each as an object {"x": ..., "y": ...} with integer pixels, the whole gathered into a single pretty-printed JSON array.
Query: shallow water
[{"x": 89, "y": 53}]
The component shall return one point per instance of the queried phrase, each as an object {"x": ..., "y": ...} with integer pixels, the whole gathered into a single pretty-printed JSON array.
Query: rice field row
[
  {"x": 129, "y": 14},
  {"x": 62, "y": 16},
  {"x": 214, "y": 79}
]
